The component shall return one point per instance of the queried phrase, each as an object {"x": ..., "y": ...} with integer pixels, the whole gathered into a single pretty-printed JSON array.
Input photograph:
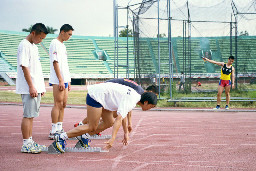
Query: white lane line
[
  {"x": 248, "y": 144},
  {"x": 141, "y": 166},
  {"x": 15, "y": 126},
  {"x": 219, "y": 144},
  {"x": 119, "y": 157}
]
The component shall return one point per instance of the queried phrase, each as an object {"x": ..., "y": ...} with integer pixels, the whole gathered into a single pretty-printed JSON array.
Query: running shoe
[
  {"x": 30, "y": 148},
  {"x": 226, "y": 107},
  {"x": 51, "y": 135},
  {"x": 96, "y": 135},
  {"x": 60, "y": 132},
  {"x": 99, "y": 134},
  {"x": 40, "y": 147},
  {"x": 217, "y": 107},
  {"x": 60, "y": 143},
  {"x": 77, "y": 124},
  {"x": 83, "y": 141}
]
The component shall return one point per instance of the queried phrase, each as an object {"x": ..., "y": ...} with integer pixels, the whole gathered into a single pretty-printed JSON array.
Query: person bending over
[{"x": 102, "y": 99}]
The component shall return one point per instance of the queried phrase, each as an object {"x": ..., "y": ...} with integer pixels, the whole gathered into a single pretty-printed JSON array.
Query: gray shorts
[{"x": 31, "y": 105}]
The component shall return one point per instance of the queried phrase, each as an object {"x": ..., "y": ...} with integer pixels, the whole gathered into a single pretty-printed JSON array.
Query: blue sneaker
[
  {"x": 217, "y": 107},
  {"x": 83, "y": 141},
  {"x": 226, "y": 107},
  {"x": 60, "y": 143}
]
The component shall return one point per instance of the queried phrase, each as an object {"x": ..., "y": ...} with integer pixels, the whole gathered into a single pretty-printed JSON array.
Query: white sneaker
[
  {"x": 51, "y": 135},
  {"x": 60, "y": 132},
  {"x": 40, "y": 147},
  {"x": 30, "y": 148}
]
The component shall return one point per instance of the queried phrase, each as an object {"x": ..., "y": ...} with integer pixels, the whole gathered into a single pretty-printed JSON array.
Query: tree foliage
[
  {"x": 245, "y": 33},
  {"x": 123, "y": 33},
  {"x": 51, "y": 30},
  {"x": 28, "y": 29},
  {"x": 161, "y": 35}
]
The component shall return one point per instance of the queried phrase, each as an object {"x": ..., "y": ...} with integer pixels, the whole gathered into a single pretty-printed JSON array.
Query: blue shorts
[
  {"x": 66, "y": 85},
  {"x": 91, "y": 102}
]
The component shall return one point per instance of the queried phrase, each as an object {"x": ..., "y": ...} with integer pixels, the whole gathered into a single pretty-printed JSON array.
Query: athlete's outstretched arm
[{"x": 214, "y": 62}]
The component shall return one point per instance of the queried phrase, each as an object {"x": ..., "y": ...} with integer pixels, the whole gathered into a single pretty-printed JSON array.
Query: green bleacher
[
  {"x": 108, "y": 45},
  {"x": 8, "y": 46},
  {"x": 164, "y": 55},
  {"x": 197, "y": 64},
  {"x": 82, "y": 60},
  {"x": 148, "y": 64}
]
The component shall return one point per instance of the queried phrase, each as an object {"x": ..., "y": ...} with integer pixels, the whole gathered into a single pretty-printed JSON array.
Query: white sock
[
  {"x": 54, "y": 127},
  {"x": 64, "y": 136},
  {"x": 30, "y": 139},
  {"x": 59, "y": 126},
  {"x": 26, "y": 141}
]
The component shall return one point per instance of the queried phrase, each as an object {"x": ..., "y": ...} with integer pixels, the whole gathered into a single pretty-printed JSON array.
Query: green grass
[
  {"x": 75, "y": 97},
  {"x": 252, "y": 94},
  {"x": 79, "y": 98},
  {"x": 9, "y": 96}
]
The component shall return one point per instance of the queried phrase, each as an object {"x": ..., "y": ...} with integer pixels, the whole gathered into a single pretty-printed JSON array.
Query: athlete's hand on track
[
  {"x": 126, "y": 138},
  {"x": 109, "y": 144}
]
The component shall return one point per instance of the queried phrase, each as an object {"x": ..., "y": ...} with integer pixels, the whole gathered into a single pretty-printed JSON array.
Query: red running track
[{"x": 161, "y": 140}]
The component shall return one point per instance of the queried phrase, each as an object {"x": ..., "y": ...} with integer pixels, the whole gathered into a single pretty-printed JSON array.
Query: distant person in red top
[{"x": 198, "y": 83}]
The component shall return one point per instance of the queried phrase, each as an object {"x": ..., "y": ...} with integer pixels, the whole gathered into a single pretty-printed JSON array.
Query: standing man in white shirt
[
  {"x": 30, "y": 84},
  {"x": 102, "y": 100},
  {"x": 59, "y": 77}
]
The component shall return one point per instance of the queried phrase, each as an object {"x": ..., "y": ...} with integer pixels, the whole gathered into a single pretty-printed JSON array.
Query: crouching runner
[{"x": 102, "y": 100}]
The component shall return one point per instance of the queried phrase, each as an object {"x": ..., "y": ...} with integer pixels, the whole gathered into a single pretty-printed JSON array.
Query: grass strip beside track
[{"x": 78, "y": 97}]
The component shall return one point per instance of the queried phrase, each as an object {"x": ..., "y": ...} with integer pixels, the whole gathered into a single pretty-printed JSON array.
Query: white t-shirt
[
  {"x": 58, "y": 53},
  {"x": 115, "y": 97},
  {"x": 28, "y": 56}
]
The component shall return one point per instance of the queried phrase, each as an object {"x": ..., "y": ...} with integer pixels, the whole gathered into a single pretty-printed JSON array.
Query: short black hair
[
  {"x": 39, "y": 28},
  {"x": 153, "y": 88},
  {"x": 66, "y": 28},
  {"x": 231, "y": 57},
  {"x": 150, "y": 97}
]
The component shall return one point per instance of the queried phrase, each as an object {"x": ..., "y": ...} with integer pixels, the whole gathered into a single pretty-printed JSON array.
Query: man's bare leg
[
  {"x": 220, "y": 90},
  {"x": 227, "y": 91},
  {"x": 107, "y": 121},
  {"x": 64, "y": 104},
  {"x": 26, "y": 127},
  {"x": 93, "y": 115},
  {"x": 58, "y": 103}
]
